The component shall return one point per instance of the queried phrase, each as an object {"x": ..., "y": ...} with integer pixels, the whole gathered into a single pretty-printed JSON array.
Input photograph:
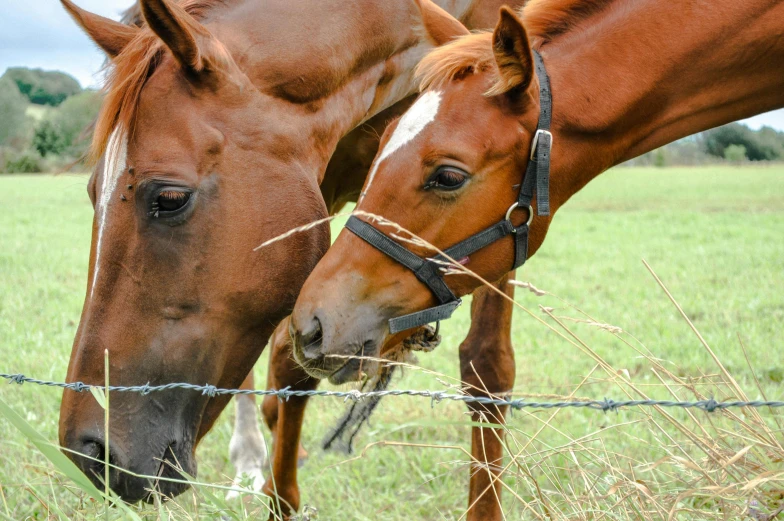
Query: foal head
[
  {"x": 448, "y": 168},
  {"x": 198, "y": 167}
]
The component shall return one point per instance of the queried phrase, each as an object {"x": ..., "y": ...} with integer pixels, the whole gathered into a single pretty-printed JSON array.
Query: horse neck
[
  {"x": 330, "y": 65},
  {"x": 648, "y": 73}
]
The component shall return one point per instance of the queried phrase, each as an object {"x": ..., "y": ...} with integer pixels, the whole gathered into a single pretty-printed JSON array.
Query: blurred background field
[
  {"x": 712, "y": 233},
  {"x": 46, "y": 118}
]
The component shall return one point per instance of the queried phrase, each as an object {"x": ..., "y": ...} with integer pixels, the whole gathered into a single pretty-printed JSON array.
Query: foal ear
[
  {"x": 189, "y": 41},
  {"x": 512, "y": 54},
  {"x": 109, "y": 35},
  {"x": 441, "y": 27}
]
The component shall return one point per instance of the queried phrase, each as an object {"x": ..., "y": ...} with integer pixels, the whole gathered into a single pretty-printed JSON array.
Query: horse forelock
[
  {"x": 129, "y": 71},
  {"x": 470, "y": 53},
  {"x": 473, "y": 53}
]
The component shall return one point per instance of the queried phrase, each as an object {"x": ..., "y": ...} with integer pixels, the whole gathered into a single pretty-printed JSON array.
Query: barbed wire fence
[{"x": 435, "y": 397}]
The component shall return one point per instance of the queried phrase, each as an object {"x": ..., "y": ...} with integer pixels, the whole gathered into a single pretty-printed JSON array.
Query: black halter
[{"x": 428, "y": 271}]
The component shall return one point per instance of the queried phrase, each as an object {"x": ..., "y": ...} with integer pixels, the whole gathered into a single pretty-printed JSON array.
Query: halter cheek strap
[{"x": 428, "y": 271}]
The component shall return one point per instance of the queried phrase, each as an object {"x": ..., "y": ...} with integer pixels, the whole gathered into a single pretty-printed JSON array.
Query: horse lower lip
[
  {"x": 318, "y": 372},
  {"x": 170, "y": 461},
  {"x": 344, "y": 373},
  {"x": 322, "y": 372},
  {"x": 326, "y": 371}
]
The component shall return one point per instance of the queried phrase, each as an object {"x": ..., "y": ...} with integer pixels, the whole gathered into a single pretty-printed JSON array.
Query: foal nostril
[{"x": 310, "y": 339}]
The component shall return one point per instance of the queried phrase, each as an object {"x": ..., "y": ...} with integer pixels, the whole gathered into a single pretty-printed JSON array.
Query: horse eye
[
  {"x": 447, "y": 178},
  {"x": 170, "y": 201}
]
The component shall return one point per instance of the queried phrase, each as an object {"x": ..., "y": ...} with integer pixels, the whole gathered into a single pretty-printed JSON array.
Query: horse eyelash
[{"x": 171, "y": 194}]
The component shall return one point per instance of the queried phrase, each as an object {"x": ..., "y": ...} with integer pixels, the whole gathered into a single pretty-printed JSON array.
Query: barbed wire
[{"x": 605, "y": 405}]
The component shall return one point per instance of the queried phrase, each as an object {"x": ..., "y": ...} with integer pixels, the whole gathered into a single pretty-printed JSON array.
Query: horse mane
[
  {"x": 129, "y": 71},
  {"x": 544, "y": 20}
]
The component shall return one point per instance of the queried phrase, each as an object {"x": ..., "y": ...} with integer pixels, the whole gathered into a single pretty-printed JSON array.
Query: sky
[{"x": 40, "y": 34}]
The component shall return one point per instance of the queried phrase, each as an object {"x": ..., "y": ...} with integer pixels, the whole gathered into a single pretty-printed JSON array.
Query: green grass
[{"x": 713, "y": 234}]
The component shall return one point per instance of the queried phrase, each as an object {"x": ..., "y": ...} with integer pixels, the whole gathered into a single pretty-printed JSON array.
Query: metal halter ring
[{"x": 512, "y": 209}]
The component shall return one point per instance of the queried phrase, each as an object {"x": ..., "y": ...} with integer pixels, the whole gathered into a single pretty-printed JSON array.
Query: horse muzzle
[
  {"x": 138, "y": 478},
  {"x": 338, "y": 358},
  {"x": 150, "y": 446}
]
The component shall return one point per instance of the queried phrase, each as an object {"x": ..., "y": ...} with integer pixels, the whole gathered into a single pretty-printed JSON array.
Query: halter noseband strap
[{"x": 429, "y": 271}]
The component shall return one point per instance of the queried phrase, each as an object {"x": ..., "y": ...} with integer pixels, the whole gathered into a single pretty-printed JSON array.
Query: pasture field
[{"x": 715, "y": 236}]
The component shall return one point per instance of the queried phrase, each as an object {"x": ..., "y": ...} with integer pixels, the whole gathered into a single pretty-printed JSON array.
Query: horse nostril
[
  {"x": 90, "y": 458},
  {"x": 310, "y": 340}
]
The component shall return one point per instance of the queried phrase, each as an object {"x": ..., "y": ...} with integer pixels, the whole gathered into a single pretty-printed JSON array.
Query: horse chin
[
  {"x": 175, "y": 467},
  {"x": 355, "y": 370},
  {"x": 182, "y": 468}
]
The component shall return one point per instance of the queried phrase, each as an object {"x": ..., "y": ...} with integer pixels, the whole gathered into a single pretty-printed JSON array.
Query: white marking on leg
[
  {"x": 247, "y": 450},
  {"x": 114, "y": 165},
  {"x": 421, "y": 113}
]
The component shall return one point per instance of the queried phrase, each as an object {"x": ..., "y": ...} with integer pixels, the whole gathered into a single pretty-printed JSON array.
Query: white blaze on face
[
  {"x": 114, "y": 164},
  {"x": 421, "y": 113}
]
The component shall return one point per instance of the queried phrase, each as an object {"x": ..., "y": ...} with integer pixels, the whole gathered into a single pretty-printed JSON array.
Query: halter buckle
[
  {"x": 512, "y": 209},
  {"x": 535, "y": 142}
]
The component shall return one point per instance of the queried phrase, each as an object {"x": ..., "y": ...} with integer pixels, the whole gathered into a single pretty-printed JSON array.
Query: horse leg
[
  {"x": 487, "y": 367},
  {"x": 269, "y": 406},
  {"x": 247, "y": 451},
  {"x": 282, "y": 485}
]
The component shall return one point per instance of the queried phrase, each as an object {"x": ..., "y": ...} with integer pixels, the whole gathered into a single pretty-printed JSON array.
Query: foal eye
[{"x": 446, "y": 178}]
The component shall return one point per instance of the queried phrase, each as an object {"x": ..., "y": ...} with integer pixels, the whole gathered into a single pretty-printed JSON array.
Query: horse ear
[
  {"x": 512, "y": 54},
  {"x": 441, "y": 27},
  {"x": 187, "y": 39},
  {"x": 109, "y": 35}
]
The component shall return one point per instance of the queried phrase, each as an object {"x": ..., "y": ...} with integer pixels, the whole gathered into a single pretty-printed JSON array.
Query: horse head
[
  {"x": 197, "y": 167},
  {"x": 449, "y": 168}
]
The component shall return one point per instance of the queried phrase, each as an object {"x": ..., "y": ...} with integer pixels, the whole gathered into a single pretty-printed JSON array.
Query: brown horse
[
  {"x": 626, "y": 77},
  {"x": 220, "y": 120}
]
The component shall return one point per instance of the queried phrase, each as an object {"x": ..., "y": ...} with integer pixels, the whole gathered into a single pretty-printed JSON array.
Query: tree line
[
  {"x": 732, "y": 143},
  {"x": 45, "y": 119}
]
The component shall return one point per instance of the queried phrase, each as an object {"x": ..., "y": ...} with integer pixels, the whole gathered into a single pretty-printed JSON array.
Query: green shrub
[
  {"x": 735, "y": 153},
  {"x": 766, "y": 144},
  {"x": 74, "y": 120},
  {"x": 43, "y": 87},
  {"x": 48, "y": 139},
  {"x": 25, "y": 163},
  {"x": 660, "y": 157},
  {"x": 65, "y": 129},
  {"x": 13, "y": 120}
]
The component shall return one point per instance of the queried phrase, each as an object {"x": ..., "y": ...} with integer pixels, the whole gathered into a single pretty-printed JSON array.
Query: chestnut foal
[{"x": 625, "y": 79}]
